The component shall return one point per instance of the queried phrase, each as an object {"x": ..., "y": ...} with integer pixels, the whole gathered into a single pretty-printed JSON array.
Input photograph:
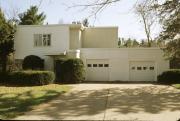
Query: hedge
[
  {"x": 70, "y": 71},
  {"x": 170, "y": 77},
  {"x": 30, "y": 78},
  {"x": 3, "y": 77},
  {"x": 33, "y": 62}
]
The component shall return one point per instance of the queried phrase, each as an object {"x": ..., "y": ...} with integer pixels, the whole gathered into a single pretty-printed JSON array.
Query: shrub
[
  {"x": 70, "y": 71},
  {"x": 170, "y": 77},
  {"x": 33, "y": 62},
  {"x": 31, "y": 78},
  {"x": 3, "y": 77}
]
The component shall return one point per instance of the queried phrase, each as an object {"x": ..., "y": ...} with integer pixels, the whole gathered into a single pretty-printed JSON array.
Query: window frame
[
  {"x": 106, "y": 65},
  {"x": 139, "y": 68},
  {"x": 46, "y": 40},
  {"x": 89, "y": 65},
  {"x": 100, "y": 65},
  {"x": 151, "y": 68},
  {"x": 95, "y": 65}
]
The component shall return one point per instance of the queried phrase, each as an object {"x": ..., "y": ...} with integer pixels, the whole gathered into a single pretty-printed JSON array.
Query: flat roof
[
  {"x": 69, "y": 25},
  {"x": 133, "y": 48}
]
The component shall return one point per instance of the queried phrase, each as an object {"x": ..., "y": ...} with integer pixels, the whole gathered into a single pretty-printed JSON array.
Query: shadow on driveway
[{"x": 92, "y": 104}]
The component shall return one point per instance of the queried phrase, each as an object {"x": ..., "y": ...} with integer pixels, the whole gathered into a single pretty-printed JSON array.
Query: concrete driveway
[{"x": 130, "y": 102}]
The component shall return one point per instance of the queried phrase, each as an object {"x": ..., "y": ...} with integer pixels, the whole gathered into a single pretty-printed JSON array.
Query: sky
[{"x": 120, "y": 14}]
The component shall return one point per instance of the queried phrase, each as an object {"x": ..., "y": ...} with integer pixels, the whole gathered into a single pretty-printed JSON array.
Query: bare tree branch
[{"x": 147, "y": 16}]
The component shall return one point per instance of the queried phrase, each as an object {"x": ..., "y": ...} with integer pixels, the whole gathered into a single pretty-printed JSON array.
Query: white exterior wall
[
  {"x": 119, "y": 59},
  {"x": 100, "y": 37},
  {"x": 24, "y": 42},
  {"x": 75, "y": 38}
]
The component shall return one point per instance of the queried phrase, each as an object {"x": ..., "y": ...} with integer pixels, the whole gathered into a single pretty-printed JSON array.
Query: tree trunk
[{"x": 146, "y": 30}]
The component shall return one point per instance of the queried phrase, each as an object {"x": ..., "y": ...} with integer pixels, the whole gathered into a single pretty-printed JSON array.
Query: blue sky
[{"x": 120, "y": 14}]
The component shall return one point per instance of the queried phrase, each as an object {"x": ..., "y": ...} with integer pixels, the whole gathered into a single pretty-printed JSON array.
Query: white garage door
[
  {"x": 142, "y": 71},
  {"x": 97, "y": 69}
]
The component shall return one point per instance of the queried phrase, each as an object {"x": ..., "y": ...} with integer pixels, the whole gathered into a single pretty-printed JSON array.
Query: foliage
[
  {"x": 175, "y": 63},
  {"x": 70, "y": 71},
  {"x": 85, "y": 22},
  {"x": 33, "y": 62},
  {"x": 29, "y": 78},
  {"x": 128, "y": 42},
  {"x": 7, "y": 30},
  {"x": 170, "y": 77},
  {"x": 3, "y": 77},
  {"x": 15, "y": 101},
  {"x": 31, "y": 17},
  {"x": 170, "y": 18},
  {"x": 172, "y": 50}
]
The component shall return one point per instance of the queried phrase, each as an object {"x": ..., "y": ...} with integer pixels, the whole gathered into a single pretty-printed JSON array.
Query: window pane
[
  {"x": 94, "y": 65},
  {"x": 133, "y": 68},
  {"x": 151, "y": 68},
  {"x": 37, "y": 39},
  {"x": 144, "y": 68},
  {"x": 40, "y": 40},
  {"x": 138, "y": 68},
  {"x": 100, "y": 65},
  {"x": 106, "y": 65},
  {"x": 48, "y": 42},
  {"x": 88, "y": 65},
  {"x": 46, "y": 39}
]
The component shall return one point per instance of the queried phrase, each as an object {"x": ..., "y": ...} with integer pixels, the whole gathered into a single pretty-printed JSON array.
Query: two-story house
[{"x": 96, "y": 46}]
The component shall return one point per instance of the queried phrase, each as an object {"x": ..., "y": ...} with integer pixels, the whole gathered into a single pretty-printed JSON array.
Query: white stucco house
[{"x": 96, "y": 46}]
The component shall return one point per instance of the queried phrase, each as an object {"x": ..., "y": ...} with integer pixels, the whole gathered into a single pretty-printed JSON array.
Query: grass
[
  {"x": 15, "y": 101},
  {"x": 177, "y": 86}
]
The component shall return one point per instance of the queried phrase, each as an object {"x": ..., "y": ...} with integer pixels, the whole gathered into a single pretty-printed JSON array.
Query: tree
[
  {"x": 31, "y": 17},
  {"x": 148, "y": 18},
  {"x": 122, "y": 42},
  {"x": 7, "y": 30},
  {"x": 135, "y": 43},
  {"x": 169, "y": 12},
  {"x": 170, "y": 19}
]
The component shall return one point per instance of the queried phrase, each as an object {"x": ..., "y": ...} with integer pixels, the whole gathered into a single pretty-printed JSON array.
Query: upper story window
[{"x": 42, "y": 40}]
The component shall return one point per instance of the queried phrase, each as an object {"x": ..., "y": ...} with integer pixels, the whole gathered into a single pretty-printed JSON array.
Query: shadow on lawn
[
  {"x": 11, "y": 106},
  {"x": 82, "y": 103}
]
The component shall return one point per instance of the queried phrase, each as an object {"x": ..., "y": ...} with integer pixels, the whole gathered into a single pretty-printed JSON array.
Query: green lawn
[
  {"x": 177, "y": 86},
  {"x": 15, "y": 101}
]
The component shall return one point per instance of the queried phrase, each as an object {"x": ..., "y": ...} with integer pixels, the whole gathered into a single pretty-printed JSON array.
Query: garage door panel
[
  {"x": 97, "y": 69},
  {"x": 142, "y": 71}
]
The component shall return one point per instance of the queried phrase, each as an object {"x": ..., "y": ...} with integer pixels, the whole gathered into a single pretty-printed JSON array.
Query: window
[
  {"x": 37, "y": 39},
  {"x": 133, "y": 68},
  {"x": 88, "y": 65},
  {"x": 151, "y": 68},
  {"x": 106, "y": 65},
  {"x": 139, "y": 68},
  {"x": 144, "y": 68},
  {"x": 100, "y": 65},
  {"x": 94, "y": 65},
  {"x": 42, "y": 40}
]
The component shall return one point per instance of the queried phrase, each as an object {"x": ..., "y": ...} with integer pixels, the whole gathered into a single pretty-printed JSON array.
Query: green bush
[
  {"x": 33, "y": 62},
  {"x": 70, "y": 71},
  {"x": 31, "y": 78},
  {"x": 170, "y": 77}
]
